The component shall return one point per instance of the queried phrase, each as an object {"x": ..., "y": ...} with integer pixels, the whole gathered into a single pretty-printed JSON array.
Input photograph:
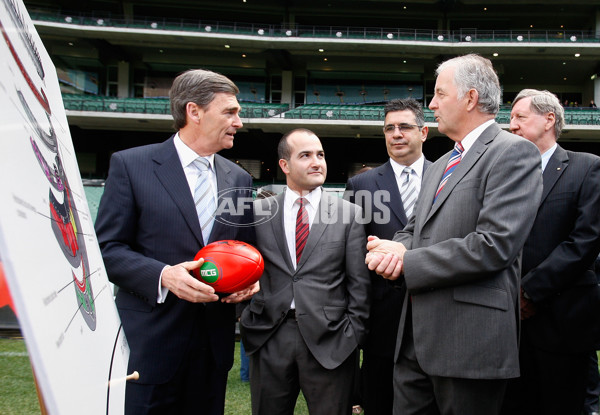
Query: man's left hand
[
  {"x": 243, "y": 295},
  {"x": 528, "y": 308},
  {"x": 385, "y": 257}
]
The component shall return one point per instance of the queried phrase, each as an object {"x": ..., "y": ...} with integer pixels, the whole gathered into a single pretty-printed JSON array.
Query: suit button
[{"x": 295, "y": 279}]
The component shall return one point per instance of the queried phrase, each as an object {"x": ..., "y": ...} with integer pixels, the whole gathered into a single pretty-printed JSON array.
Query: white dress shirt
[
  {"x": 187, "y": 157},
  {"x": 417, "y": 173}
]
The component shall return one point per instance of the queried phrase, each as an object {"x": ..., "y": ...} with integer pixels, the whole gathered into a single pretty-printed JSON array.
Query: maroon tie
[{"x": 301, "y": 229}]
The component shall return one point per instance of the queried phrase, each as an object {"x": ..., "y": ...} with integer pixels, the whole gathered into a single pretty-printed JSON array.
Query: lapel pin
[{"x": 558, "y": 168}]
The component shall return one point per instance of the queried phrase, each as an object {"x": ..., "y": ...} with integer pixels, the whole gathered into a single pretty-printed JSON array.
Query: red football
[{"x": 229, "y": 266}]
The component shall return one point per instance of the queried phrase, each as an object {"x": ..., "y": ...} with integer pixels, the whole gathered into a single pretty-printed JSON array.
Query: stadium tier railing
[
  {"x": 336, "y": 32},
  {"x": 76, "y": 102}
]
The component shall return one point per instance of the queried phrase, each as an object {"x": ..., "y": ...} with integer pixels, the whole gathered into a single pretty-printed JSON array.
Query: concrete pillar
[
  {"x": 596, "y": 90},
  {"x": 123, "y": 79},
  {"x": 287, "y": 87}
]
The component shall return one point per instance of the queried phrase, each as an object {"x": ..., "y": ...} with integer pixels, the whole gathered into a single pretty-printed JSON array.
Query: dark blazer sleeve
[{"x": 117, "y": 230}]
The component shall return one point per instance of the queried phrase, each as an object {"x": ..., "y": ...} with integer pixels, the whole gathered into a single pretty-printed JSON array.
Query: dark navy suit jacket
[
  {"x": 558, "y": 257},
  {"x": 147, "y": 220}
]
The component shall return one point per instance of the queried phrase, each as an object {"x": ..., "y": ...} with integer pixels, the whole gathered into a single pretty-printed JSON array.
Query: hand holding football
[{"x": 229, "y": 265}]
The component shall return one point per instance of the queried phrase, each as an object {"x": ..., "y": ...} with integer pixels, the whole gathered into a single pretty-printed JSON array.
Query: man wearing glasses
[{"x": 387, "y": 195}]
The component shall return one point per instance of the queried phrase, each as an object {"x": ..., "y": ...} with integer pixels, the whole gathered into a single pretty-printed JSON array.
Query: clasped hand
[
  {"x": 178, "y": 280},
  {"x": 385, "y": 257}
]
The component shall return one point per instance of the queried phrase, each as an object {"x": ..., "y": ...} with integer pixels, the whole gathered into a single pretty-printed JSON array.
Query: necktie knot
[
  {"x": 301, "y": 202},
  {"x": 202, "y": 164},
  {"x": 459, "y": 148},
  {"x": 453, "y": 161},
  {"x": 408, "y": 172}
]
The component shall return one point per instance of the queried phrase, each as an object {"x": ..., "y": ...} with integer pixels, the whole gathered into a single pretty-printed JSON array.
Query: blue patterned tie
[
  {"x": 408, "y": 191},
  {"x": 452, "y": 163},
  {"x": 204, "y": 198}
]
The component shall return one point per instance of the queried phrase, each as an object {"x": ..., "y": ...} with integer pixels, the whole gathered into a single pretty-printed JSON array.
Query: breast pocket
[
  {"x": 559, "y": 197},
  {"x": 333, "y": 245},
  {"x": 468, "y": 184}
]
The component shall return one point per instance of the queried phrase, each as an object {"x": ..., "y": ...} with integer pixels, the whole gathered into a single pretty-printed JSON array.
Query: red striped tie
[
  {"x": 452, "y": 163},
  {"x": 301, "y": 229}
]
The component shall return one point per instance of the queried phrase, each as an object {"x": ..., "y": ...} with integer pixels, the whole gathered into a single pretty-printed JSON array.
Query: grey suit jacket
[
  {"x": 330, "y": 285},
  {"x": 462, "y": 267},
  {"x": 376, "y": 191}
]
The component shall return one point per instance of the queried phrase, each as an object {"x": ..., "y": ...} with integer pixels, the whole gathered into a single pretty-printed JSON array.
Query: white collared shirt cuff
[{"x": 162, "y": 291}]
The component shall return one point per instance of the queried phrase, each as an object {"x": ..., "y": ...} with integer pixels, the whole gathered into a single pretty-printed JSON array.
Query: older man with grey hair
[
  {"x": 460, "y": 254},
  {"x": 560, "y": 298}
]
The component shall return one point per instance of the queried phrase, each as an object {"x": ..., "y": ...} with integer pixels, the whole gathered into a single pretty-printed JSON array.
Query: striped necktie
[
  {"x": 408, "y": 191},
  {"x": 204, "y": 197},
  {"x": 301, "y": 229},
  {"x": 452, "y": 163}
]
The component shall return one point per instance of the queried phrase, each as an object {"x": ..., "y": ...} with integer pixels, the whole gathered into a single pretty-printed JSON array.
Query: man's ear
[
  {"x": 424, "y": 132},
  {"x": 193, "y": 112},
  {"x": 283, "y": 164},
  {"x": 473, "y": 99},
  {"x": 550, "y": 120}
]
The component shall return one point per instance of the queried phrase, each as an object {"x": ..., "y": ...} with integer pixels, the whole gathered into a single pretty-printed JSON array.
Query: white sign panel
[{"x": 48, "y": 246}]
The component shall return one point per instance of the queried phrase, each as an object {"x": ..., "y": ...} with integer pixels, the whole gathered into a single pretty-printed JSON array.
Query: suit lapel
[
  {"x": 386, "y": 180},
  {"x": 170, "y": 174},
  {"x": 278, "y": 228},
  {"x": 554, "y": 169},
  {"x": 475, "y": 152}
]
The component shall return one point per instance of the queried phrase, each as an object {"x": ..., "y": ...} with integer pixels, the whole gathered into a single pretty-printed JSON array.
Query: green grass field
[{"x": 18, "y": 394}]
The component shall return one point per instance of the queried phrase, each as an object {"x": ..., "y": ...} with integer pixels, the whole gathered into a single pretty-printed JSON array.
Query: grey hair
[
  {"x": 476, "y": 72},
  {"x": 542, "y": 103},
  {"x": 410, "y": 104},
  {"x": 198, "y": 86}
]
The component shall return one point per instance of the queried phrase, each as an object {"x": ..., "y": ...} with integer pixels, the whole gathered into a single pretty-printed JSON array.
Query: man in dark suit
[
  {"x": 378, "y": 192},
  {"x": 303, "y": 328},
  {"x": 180, "y": 335},
  {"x": 460, "y": 254},
  {"x": 560, "y": 298}
]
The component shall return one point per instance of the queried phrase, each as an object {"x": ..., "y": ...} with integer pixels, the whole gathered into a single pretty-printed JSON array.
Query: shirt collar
[
  {"x": 546, "y": 156},
  {"x": 470, "y": 138},
  {"x": 313, "y": 198},
  {"x": 417, "y": 166},
  {"x": 187, "y": 155}
]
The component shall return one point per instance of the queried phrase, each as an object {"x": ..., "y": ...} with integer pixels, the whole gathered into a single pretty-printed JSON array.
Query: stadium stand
[{"x": 319, "y": 65}]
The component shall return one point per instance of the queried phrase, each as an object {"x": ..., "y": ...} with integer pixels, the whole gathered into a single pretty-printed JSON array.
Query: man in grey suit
[
  {"x": 560, "y": 303},
  {"x": 460, "y": 254},
  {"x": 387, "y": 195},
  {"x": 303, "y": 328}
]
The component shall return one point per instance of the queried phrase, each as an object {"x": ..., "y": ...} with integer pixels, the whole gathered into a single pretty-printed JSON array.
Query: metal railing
[
  {"x": 573, "y": 116},
  {"x": 99, "y": 103},
  {"x": 105, "y": 19}
]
